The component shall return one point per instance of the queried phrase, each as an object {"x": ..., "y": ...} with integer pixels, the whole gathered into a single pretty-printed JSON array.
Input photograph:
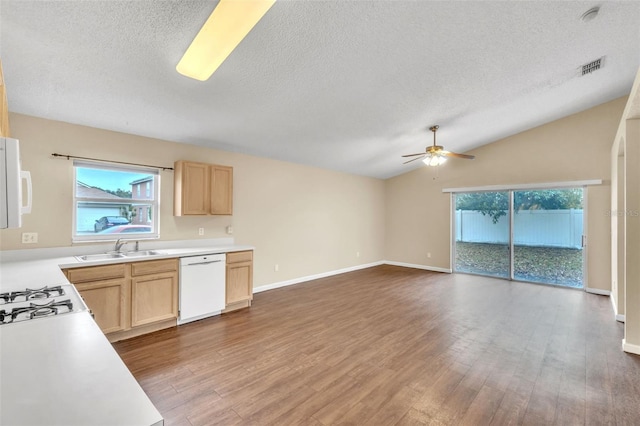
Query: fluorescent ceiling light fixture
[{"x": 227, "y": 26}]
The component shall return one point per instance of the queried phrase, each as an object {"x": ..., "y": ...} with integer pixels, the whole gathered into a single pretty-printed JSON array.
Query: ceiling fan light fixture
[
  {"x": 434, "y": 160},
  {"x": 435, "y": 155},
  {"x": 226, "y": 27}
]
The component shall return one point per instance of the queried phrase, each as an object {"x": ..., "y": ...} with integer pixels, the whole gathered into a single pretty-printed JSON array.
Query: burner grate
[
  {"x": 31, "y": 294},
  {"x": 35, "y": 310}
]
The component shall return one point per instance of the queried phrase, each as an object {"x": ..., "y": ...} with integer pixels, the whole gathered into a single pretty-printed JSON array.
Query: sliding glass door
[
  {"x": 482, "y": 233},
  {"x": 547, "y": 236},
  {"x": 532, "y": 235}
]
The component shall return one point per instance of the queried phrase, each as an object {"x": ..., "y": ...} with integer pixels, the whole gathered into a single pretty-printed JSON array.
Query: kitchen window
[{"x": 109, "y": 202}]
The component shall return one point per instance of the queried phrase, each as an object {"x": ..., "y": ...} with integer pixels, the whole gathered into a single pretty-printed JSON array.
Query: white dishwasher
[{"x": 202, "y": 286}]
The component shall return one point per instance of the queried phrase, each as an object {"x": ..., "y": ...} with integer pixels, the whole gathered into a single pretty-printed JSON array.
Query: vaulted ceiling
[{"x": 344, "y": 85}]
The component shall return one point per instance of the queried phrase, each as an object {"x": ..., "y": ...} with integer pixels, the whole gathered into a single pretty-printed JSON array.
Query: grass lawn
[{"x": 560, "y": 266}]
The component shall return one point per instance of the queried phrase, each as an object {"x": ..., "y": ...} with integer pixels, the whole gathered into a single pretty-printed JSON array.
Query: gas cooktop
[{"x": 28, "y": 304}]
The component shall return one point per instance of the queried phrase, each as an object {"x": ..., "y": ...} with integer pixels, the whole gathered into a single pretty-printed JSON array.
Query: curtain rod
[{"x": 68, "y": 157}]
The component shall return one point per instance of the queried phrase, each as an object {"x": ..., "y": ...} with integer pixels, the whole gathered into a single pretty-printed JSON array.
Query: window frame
[{"x": 154, "y": 203}]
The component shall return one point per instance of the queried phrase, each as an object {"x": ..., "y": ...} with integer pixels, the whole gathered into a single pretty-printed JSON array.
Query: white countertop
[
  {"x": 44, "y": 268},
  {"x": 62, "y": 370},
  {"x": 68, "y": 375}
]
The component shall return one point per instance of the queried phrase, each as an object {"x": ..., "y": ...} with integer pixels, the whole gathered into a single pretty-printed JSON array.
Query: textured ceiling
[{"x": 344, "y": 85}]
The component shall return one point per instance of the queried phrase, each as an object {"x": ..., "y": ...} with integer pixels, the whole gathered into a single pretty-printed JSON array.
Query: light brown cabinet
[
  {"x": 239, "y": 285},
  {"x": 154, "y": 294},
  {"x": 130, "y": 299},
  {"x": 105, "y": 291},
  {"x": 202, "y": 189},
  {"x": 107, "y": 301}
]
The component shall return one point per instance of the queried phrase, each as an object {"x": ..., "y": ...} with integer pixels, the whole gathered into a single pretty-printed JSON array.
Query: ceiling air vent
[{"x": 592, "y": 66}]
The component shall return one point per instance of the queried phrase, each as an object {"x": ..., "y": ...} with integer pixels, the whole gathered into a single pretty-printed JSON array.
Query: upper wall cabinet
[
  {"x": 4, "y": 107},
  {"x": 202, "y": 189}
]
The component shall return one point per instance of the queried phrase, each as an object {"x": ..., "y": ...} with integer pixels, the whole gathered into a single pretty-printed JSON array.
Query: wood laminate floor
[{"x": 396, "y": 346}]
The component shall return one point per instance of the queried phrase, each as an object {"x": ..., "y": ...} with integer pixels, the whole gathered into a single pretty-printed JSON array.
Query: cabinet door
[
  {"x": 221, "y": 190},
  {"x": 194, "y": 188},
  {"x": 239, "y": 282},
  {"x": 107, "y": 301},
  {"x": 154, "y": 298}
]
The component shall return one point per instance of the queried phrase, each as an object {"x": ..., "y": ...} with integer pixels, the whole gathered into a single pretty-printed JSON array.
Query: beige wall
[
  {"x": 577, "y": 147},
  {"x": 305, "y": 219},
  {"x": 308, "y": 220}
]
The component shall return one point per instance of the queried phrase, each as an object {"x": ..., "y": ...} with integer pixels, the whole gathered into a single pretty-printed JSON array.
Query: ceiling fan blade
[
  {"x": 456, "y": 155},
  {"x": 413, "y": 159},
  {"x": 436, "y": 153}
]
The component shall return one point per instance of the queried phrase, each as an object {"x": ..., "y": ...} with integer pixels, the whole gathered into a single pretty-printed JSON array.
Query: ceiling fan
[{"x": 435, "y": 155}]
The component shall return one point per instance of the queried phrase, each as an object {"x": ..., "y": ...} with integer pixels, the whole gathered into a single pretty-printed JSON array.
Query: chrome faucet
[{"x": 119, "y": 244}]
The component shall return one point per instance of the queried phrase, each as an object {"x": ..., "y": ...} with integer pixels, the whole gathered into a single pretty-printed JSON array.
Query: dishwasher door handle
[{"x": 203, "y": 263}]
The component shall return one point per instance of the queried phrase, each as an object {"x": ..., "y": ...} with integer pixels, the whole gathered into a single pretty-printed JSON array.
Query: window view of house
[{"x": 109, "y": 201}]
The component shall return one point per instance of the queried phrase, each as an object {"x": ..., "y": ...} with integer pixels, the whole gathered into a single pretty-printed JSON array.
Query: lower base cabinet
[
  {"x": 107, "y": 300},
  {"x": 153, "y": 298},
  {"x": 130, "y": 299},
  {"x": 239, "y": 286},
  {"x": 106, "y": 291}
]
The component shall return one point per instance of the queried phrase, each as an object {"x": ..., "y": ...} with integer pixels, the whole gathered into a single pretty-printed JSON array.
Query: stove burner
[
  {"x": 31, "y": 294},
  {"x": 35, "y": 310}
]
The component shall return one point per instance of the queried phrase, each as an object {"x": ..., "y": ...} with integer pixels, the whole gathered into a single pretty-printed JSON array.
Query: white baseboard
[
  {"x": 314, "y": 277},
  {"x": 619, "y": 318},
  {"x": 598, "y": 291},
  {"x": 344, "y": 270},
  {"x": 413, "y": 265},
  {"x": 628, "y": 347}
]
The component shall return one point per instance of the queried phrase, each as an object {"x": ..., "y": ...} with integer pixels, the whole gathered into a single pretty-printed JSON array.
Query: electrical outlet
[
  {"x": 229, "y": 229},
  {"x": 276, "y": 267},
  {"x": 429, "y": 255},
  {"x": 200, "y": 231},
  {"x": 357, "y": 254},
  {"x": 29, "y": 237}
]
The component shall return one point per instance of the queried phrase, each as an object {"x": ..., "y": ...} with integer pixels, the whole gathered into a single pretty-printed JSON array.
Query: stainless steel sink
[
  {"x": 142, "y": 253},
  {"x": 100, "y": 256},
  {"x": 116, "y": 255}
]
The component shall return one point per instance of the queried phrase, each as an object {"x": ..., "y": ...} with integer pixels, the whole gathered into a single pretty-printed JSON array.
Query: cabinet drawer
[
  {"x": 154, "y": 267},
  {"x": 96, "y": 273},
  {"x": 240, "y": 256}
]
